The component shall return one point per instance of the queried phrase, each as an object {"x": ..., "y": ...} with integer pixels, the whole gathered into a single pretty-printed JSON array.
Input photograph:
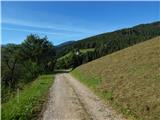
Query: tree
[
  {"x": 40, "y": 51},
  {"x": 24, "y": 62},
  {"x": 10, "y": 56}
]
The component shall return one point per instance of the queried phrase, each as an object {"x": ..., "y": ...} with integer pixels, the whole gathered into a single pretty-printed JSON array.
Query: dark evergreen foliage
[{"x": 110, "y": 42}]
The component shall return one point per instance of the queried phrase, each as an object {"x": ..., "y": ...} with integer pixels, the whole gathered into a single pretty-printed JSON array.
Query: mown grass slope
[
  {"x": 28, "y": 103},
  {"x": 129, "y": 79}
]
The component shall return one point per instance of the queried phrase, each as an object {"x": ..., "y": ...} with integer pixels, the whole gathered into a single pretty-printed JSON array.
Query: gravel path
[{"x": 71, "y": 100}]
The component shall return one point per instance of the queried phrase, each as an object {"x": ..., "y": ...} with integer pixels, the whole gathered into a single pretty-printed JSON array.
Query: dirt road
[{"x": 71, "y": 100}]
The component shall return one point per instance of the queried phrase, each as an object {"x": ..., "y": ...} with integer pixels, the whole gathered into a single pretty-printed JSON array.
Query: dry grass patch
[{"x": 130, "y": 79}]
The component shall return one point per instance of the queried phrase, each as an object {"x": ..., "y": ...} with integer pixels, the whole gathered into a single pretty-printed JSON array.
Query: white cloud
[
  {"x": 28, "y": 30},
  {"x": 56, "y": 27}
]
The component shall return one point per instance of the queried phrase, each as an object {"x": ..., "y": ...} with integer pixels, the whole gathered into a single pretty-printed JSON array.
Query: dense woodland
[
  {"x": 105, "y": 44},
  {"x": 24, "y": 62}
]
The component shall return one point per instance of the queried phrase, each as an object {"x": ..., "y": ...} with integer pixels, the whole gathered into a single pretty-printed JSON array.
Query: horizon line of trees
[{"x": 106, "y": 43}]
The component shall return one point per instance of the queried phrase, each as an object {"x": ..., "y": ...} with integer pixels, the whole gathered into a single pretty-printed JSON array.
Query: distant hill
[
  {"x": 110, "y": 42},
  {"x": 129, "y": 79},
  {"x": 143, "y": 30},
  {"x": 65, "y": 44}
]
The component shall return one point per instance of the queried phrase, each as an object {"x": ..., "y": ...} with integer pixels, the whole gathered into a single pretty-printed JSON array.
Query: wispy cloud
[
  {"x": 52, "y": 27},
  {"x": 32, "y": 31}
]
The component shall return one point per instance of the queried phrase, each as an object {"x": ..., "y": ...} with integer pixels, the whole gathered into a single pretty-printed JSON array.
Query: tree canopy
[{"x": 24, "y": 62}]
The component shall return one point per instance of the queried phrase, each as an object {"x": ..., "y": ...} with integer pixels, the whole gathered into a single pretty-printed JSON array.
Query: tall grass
[{"x": 28, "y": 102}]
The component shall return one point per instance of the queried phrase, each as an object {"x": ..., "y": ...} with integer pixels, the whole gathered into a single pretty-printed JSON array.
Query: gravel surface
[{"x": 71, "y": 100}]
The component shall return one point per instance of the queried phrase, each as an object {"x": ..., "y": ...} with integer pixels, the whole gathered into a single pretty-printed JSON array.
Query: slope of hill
[
  {"x": 81, "y": 50},
  {"x": 127, "y": 36},
  {"x": 108, "y": 43},
  {"x": 129, "y": 79},
  {"x": 67, "y": 61}
]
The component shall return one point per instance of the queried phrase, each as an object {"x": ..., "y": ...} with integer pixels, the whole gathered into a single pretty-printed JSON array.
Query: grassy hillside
[
  {"x": 81, "y": 50},
  {"x": 129, "y": 79},
  {"x": 28, "y": 103},
  {"x": 67, "y": 61},
  {"x": 86, "y": 50}
]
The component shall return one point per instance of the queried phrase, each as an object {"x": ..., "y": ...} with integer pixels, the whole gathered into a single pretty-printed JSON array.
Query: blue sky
[{"x": 64, "y": 21}]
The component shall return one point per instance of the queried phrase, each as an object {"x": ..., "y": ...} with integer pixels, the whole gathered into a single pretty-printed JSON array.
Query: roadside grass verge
[
  {"x": 107, "y": 95},
  {"x": 91, "y": 81},
  {"x": 28, "y": 103},
  {"x": 129, "y": 79}
]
